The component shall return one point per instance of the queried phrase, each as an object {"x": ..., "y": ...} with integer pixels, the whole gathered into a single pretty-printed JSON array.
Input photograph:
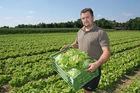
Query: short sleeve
[
  {"x": 76, "y": 39},
  {"x": 103, "y": 39}
]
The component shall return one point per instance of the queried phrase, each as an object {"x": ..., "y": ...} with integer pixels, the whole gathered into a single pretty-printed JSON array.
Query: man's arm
[
  {"x": 73, "y": 44},
  {"x": 104, "y": 57}
]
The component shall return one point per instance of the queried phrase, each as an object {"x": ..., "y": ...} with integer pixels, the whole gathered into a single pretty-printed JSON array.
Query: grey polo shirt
[{"x": 92, "y": 41}]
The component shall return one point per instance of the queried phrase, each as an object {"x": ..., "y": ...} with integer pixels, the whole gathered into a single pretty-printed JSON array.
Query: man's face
[{"x": 87, "y": 19}]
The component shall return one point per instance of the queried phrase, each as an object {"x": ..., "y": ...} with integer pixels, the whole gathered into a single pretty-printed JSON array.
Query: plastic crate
[{"x": 79, "y": 80}]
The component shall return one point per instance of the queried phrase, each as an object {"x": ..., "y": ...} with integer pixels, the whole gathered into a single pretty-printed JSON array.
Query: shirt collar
[{"x": 92, "y": 29}]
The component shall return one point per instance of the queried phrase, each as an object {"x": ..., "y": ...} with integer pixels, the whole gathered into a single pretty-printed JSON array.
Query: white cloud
[
  {"x": 29, "y": 17},
  {"x": 8, "y": 18},
  {"x": 1, "y": 7},
  {"x": 127, "y": 14},
  {"x": 31, "y": 12},
  {"x": 99, "y": 16}
]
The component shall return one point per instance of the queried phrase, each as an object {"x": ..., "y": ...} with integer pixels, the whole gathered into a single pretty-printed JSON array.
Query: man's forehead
[{"x": 85, "y": 14}]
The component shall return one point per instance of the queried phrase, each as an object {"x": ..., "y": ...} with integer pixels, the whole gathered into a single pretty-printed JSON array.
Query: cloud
[
  {"x": 8, "y": 18},
  {"x": 127, "y": 14},
  {"x": 1, "y": 7},
  {"x": 99, "y": 16},
  {"x": 31, "y": 12},
  {"x": 29, "y": 17}
]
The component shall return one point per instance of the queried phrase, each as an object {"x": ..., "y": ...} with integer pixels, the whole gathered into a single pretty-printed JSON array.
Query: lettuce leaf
[{"x": 73, "y": 61}]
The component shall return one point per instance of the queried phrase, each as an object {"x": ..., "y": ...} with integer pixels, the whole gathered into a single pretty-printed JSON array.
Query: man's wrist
[
  {"x": 71, "y": 45},
  {"x": 98, "y": 63}
]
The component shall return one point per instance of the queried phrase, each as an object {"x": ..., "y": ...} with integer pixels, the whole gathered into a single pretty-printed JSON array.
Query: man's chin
[{"x": 86, "y": 25}]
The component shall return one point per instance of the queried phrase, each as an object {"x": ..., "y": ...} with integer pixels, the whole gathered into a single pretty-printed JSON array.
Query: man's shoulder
[
  {"x": 98, "y": 29},
  {"x": 80, "y": 30}
]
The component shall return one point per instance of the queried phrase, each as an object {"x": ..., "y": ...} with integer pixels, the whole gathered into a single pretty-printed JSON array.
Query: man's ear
[{"x": 93, "y": 18}]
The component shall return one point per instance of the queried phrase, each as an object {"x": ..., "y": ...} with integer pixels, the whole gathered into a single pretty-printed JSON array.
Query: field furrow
[{"x": 25, "y": 65}]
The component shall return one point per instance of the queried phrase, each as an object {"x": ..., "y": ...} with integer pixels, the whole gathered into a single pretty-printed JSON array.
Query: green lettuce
[{"x": 73, "y": 61}]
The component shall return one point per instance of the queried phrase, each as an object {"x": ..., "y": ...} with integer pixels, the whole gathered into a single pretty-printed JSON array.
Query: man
[{"x": 95, "y": 42}]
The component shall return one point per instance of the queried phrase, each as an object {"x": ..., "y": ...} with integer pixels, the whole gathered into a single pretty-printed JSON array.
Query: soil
[
  {"x": 6, "y": 88},
  {"x": 117, "y": 87},
  {"x": 123, "y": 82}
]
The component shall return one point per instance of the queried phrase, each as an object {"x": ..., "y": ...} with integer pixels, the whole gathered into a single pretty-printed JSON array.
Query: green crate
[{"x": 78, "y": 81}]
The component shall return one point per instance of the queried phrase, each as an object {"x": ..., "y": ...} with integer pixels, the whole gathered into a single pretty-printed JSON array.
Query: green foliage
[
  {"x": 1, "y": 89},
  {"x": 35, "y": 30},
  {"x": 4, "y": 79},
  {"x": 18, "y": 81},
  {"x": 117, "y": 66},
  {"x": 132, "y": 24},
  {"x": 26, "y": 68},
  {"x": 106, "y": 24},
  {"x": 73, "y": 61},
  {"x": 134, "y": 87}
]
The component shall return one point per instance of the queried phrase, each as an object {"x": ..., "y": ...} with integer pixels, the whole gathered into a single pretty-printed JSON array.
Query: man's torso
[{"x": 89, "y": 41}]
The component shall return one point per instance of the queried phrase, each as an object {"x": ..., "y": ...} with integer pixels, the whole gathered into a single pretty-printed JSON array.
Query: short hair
[{"x": 86, "y": 10}]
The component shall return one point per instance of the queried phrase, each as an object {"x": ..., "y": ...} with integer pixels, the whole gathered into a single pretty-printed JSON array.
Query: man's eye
[{"x": 83, "y": 18}]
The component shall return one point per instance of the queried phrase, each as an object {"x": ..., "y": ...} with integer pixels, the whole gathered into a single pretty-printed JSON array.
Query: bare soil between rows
[{"x": 123, "y": 82}]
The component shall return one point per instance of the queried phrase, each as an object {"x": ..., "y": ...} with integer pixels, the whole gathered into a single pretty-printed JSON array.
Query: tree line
[{"x": 132, "y": 24}]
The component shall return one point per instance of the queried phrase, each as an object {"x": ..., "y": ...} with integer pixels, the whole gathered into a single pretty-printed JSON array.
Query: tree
[
  {"x": 132, "y": 24},
  {"x": 78, "y": 23}
]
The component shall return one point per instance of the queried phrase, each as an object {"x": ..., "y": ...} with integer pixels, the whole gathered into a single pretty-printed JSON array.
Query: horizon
[
  {"x": 64, "y": 22},
  {"x": 17, "y": 12}
]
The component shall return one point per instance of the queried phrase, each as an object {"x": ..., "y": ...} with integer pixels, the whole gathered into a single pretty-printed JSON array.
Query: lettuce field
[{"x": 25, "y": 66}]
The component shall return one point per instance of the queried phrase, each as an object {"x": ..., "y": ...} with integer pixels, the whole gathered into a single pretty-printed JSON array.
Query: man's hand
[
  {"x": 74, "y": 45},
  {"x": 65, "y": 46},
  {"x": 104, "y": 57},
  {"x": 92, "y": 67}
]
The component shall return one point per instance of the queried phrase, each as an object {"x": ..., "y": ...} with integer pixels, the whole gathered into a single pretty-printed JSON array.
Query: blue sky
[{"x": 14, "y": 12}]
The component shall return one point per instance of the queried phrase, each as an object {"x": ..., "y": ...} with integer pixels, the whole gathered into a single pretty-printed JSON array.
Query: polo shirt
[{"x": 92, "y": 41}]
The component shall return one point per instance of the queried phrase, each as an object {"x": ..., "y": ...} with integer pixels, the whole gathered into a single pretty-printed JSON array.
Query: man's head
[
  {"x": 87, "y": 17},
  {"x": 87, "y": 10}
]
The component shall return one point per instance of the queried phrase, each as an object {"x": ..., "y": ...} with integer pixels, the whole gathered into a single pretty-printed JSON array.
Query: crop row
[
  {"x": 35, "y": 30},
  {"x": 22, "y": 42},
  {"x": 117, "y": 66},
  {"x": 25, "y": 64},
  {"x": 129, "y": 40},
  {"x": 125, "y": 46},
  {"x": 53, "y": 84},
  {"x": 123, "y": 35},
  {"x": 55, "y": 45},
  {"x": 23, "y": 69},
  {"x": 36, "y": 45},
  {"x": 13, "y": 64},
  {"x": 134, "y": 87}
]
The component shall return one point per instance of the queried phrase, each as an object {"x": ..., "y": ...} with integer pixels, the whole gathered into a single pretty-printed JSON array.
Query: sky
[{"x": 15, "y": 12}]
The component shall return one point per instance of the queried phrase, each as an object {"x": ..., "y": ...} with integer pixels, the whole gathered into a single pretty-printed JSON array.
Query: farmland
[{"x": 25, "y": 66}]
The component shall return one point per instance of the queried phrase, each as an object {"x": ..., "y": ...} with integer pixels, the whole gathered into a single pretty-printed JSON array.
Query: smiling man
[{"x": 94, "y": 41}]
